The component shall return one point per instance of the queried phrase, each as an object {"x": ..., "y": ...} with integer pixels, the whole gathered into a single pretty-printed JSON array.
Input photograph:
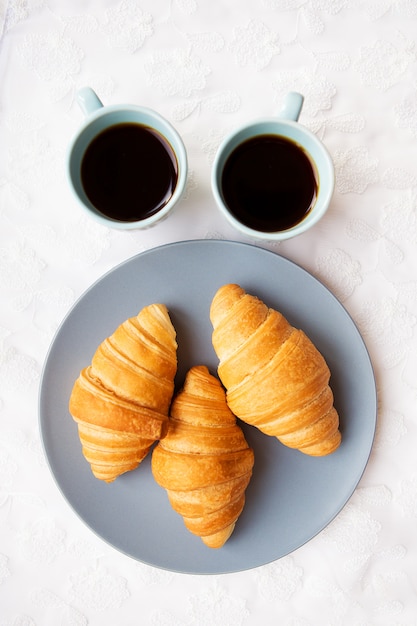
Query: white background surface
[{"x": 208, "y": 67}]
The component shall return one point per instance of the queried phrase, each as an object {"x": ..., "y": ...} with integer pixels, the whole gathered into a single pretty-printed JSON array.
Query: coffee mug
[
  {"x": 273, "y": 178},
  {"x": 127, "y": 165}
]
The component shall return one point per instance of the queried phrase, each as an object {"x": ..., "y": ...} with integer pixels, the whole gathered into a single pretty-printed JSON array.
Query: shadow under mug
[
  {"x": 100, "y": 118},
  {"x": 284, "y": 126}
]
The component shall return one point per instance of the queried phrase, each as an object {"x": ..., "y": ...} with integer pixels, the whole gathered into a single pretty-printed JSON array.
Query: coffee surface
[
  {"x": 129, "y": 172},
  {"x": 269, "y": 183}
]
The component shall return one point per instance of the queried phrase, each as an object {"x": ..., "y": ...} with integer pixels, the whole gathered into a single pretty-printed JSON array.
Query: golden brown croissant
[
  {"x": 274, "y": 376},
  {"x": 121, "y": 401},
  {"x": 204, "y": 461}
]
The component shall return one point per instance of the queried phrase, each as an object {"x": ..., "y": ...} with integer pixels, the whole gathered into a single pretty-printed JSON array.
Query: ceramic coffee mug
[
  {"x": 127, "y": 165},
  {"x": 273, "y": 178}
]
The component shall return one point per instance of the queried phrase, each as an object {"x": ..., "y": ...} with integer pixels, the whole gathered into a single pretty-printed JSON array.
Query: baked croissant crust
[
  {"x": 204, "y": 461},
  {"x": 121, "y": 400},
  {"x": 275, "y": 377}
]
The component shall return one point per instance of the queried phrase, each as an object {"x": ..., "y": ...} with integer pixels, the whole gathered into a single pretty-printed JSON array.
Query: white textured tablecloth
[{"x": 207, "y": 67}]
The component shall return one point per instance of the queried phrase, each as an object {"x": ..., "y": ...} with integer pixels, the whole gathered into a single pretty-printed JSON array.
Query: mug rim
[
  {"x": 178, "y": 149},
  {"x": 254, "y": 129}
]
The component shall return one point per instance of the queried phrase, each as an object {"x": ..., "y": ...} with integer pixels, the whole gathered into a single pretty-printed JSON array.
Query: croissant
[
  {"x": 275, "y": 377},
  {"x": 204, "y": 461},
  {"x": 121, "y": 400}
]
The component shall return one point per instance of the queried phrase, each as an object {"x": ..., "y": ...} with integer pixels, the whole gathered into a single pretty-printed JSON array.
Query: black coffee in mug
[
  {"x": 129, "y": 172},
  {"x": 269, "y": 183}
]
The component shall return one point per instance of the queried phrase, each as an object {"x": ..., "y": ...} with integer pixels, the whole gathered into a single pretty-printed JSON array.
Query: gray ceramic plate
[{"x": 291, "y": 497}]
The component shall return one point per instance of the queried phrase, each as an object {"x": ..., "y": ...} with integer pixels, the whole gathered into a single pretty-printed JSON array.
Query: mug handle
[
  {"x": 293, "y": 103},
  {"x": 88, "y": 100}
]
